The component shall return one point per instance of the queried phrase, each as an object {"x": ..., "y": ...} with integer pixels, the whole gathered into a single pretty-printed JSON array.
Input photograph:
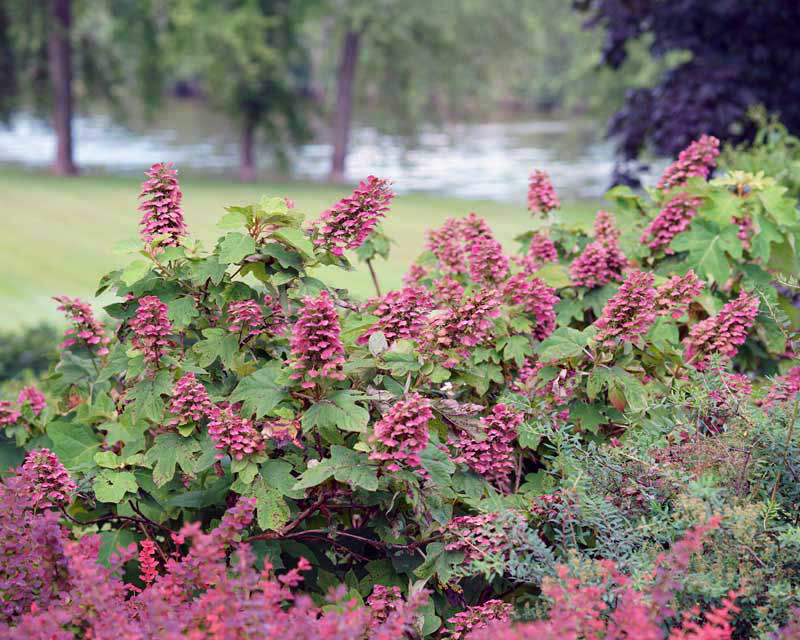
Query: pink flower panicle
[
  {"x": 541, "y": 194},
  {"x": 492, "y": 457},
  {"x": 630, "y": 312},
  {"x": 8, "y": 414},
  {"x": 347, "y": 224},
  {"x": 479, "y": 617},
  {"x": 233, "y": 434},
  {"x": 698, "y": 159},
  {"x": 414, "y": 274},
  {"x": 605, "y": 228},
  {"x": 746, "y": 229},
  {"x": 190, "y": 402},
  {"x": 148, "y": 565},
  {"x": 84, "y": 325},
  {"x": 723, "y": 333},
  {"x": 33, "y": 397},
  {"x": 447, "y": 292},
  {"x": 445, "y": 244},
  {"x": 247, "y": 317},
  {"x": 47, "y": 479},
  {"x": 474, "y": 227},
  {"x": 383, "y": 601},
  {"x": 676, "y": 294},
  {"x": 162, "y": 206},
  {"x": 403, "y": 433},
  {"x": 487, "y": 262},
  {"x": 401, "y": 314},
  {"x": 536, "y": 299},
  {"x": 594, "y": 267},
  {"x": 151, "y": 329},
  {"x": 317, "y": 350},
  {"x": 784, "y": 389},
  {"x": 541, "y": 250},
  {"x": 673, "y": 219},
  {"x": 479, "y": 536}
]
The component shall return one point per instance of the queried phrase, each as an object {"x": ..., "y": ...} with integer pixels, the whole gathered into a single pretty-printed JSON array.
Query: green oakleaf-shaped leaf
[
  {"x": 168, "y": 450},
  {"x": 74, "y": 444},
  {"x": 146, "y": 396},
  {"x": 260, "y": 391},
  {"x": 338, "y": 410},
  {"x": 297, "y": 239},
  {"x": 111, "y": 486},
  {"x": 515, "y": 347},
  {"x": 217, "y": 343},
  {"x": 564, "y": 342},
  {"x": 353, "y": 468},
  {"x": 235, "y": 247},
  {"x": 207, "y": 269},
  {"x": 315, "y": 475},
  {"x": 135, "y": 271},
  {"x": 272, "y": 512},
  {"x": 554, "y": 275},
  {"x": 781, "y": 208},
  {"x": 181, "y": 312}
]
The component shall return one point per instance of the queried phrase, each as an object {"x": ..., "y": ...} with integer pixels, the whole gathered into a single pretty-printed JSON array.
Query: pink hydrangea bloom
[
  {"x": 383, "y": 601},
  {"x": 317, "y": 350},
  {"x": 474, "y": 227},
  {"x": 233, "y": 434},
  {"x": 84, "y": 325},
  {"x": 746, "y": 229},
  {"x": 8, "y": 413},
  {"x": 403, "y": 433},
  {"x": 445, "y": 244},
  {"x": 784, "y": 388},
  {"x": 447, "y": 291},
  {"x": 673, "y": 219},
  {"x": 189, "y": 402},
  {"x": 492, "y": 457},
  {"x": 47, "y": 479},
  {"x": 676, "y": 294},
  {"x": 401, "y": 314},
  {"x": 151, "y": 329},
  {"x": 698, "y": 159},
  {"x": 479, "y": 617},
  {"x": 593, "y": 268},
  {"x": 347, "y": 224},
  {"x": 479, "y": 536},
  {"x": 248, "y": 319},
  {"x": 630, "y": 312},
  {"x": 605, "y": 228},
  {"x": 540, "y": 251},
  {"x": 162, "y": 206},
  {"x": 487, "y": 262},
  {"x": 537, "y": 300},
  {"x": 541, "y": 194},
  {"x": 723, "y": 333},
  {"x": 33, "y": 397},
  {"x": 414, "y": 274}
]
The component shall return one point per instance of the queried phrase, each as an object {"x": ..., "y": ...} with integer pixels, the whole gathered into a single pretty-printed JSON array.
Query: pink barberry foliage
[
  {"x": 151, "y": 329},
  {"x": 723, "y": 333},
  {"x": 32, "y": 397},
  {"x": 47, "y": 479},
  {"x": 445, "y": 243},
  {"x": 487, "y": 262},
  {"x": 189, "y": 402},
  {"x": 674, "y": 218},
  {"x": 234, "y": 435},
  {"x": 478, "y": 617},
  {"x": 698, "y": 159},
  {"x": 402, "y": 433},
  {"x": 541, "y": 194},
  {"x": 401, "y": 314},
  {"x": 347, "y": 224},
  {"x": 148, "y": 565},
  {"x": 317, "y": 351},
  {"x": 630, "y": 312},
  {"x": 163, "y": 217},
  {"x": 784, "y": 388},
  {"x": 85, "y": 328},
  {"x": 9, "y": 414},
  {"x": 676, "y": 294},
  {"x": 493, "y": 456},
  {"x": 536, "y": 299}
]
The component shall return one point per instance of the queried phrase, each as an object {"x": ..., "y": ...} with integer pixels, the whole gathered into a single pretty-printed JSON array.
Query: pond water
[{"x": 474, "y": 160}]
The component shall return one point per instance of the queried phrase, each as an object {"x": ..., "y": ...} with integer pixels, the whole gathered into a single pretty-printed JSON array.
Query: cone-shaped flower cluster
[
  {"x": 8, "y": 413},
  {"x": 162, "y": 206},
  {"x": 47, "y": 479},
  {"x": 247, "y": 318},
  {"x": 383, "y": 601},
  {"x": 676, "y": 294},
  {"x": 447, "y": 292},
  {"x": 487, "y": 263},
  {"x": 403, "y": 433},
  {"x": 477, "y": 536},
  {"x": 478, "y": 617},
  {"x": 630, "y": 312},
  {"x": 673, "y": 219},
  {"x": 493, "y": 457},
  {"x": 317, "y": 351},
  {"x": 401, "y": 314},
  {"x": 601, "y": 261},
  {"x": 189, "y": 402},
  {"x": 151, "y": 329},
  {"x": 347, "y": 224},
  {"x": 33, "y": 397},
  {"x": 541, "y": 194},
  {"x": 233, "y": 434},
  {"x": 414, "y": 274},
  {"x": 540, "y": 251},
  {"x": 784, "y": 388},
  {"x": 445, "y": 244},
  {"x": 537, "y": 300},
  {"x": 84, "y": 325},
  {"x": 605, "y": 228},
  {"x": 723, "y": 333},
  {"x": 698, "y": 159},
  {"x": 746, "y": 229},
  {"x": 474, "y": 227}
]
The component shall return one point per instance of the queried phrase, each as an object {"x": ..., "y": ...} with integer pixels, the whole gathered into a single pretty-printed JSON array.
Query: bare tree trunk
[
  {"x": 60, "y": 59},
  {"x": 247, "y": 157},
  {"x": 343, "y": 115}
]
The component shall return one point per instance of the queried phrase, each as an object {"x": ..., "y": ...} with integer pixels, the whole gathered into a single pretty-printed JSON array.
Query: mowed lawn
[{"x": 58, "y": 234}]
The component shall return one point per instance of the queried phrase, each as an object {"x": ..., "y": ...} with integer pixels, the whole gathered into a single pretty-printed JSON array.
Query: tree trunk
[
  {"x": 247, "y": 159},
  {"x": 60, "y": 59},
  {"x": 342, "y": 117}
]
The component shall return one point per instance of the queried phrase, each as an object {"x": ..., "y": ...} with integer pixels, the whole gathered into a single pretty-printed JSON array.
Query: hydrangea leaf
[
  {"x": 235, "y": 247},
  {"x": 338, "y": 410},
  {"x": 135, "y": 271},
  {"x": 111, "y": 486},
  {"x": 272, "y": 512},
  {"x": 75, "y": 444},
  {"x": 217, "y": 343},
  {"x": 181, "y": 312},
  {"x": 564, "y": 342},
  {"x": 259, "y": 392}
]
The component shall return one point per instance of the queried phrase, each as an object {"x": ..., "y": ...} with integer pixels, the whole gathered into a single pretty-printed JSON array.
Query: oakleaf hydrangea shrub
[{"x": 505, "y": 441}]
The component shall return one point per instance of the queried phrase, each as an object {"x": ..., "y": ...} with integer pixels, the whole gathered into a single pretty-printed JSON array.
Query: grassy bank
[{"x": 59, "y": 233}]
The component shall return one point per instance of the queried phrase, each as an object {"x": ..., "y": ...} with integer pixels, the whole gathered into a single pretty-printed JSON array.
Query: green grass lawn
[{"x": 59, "y": 233}]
